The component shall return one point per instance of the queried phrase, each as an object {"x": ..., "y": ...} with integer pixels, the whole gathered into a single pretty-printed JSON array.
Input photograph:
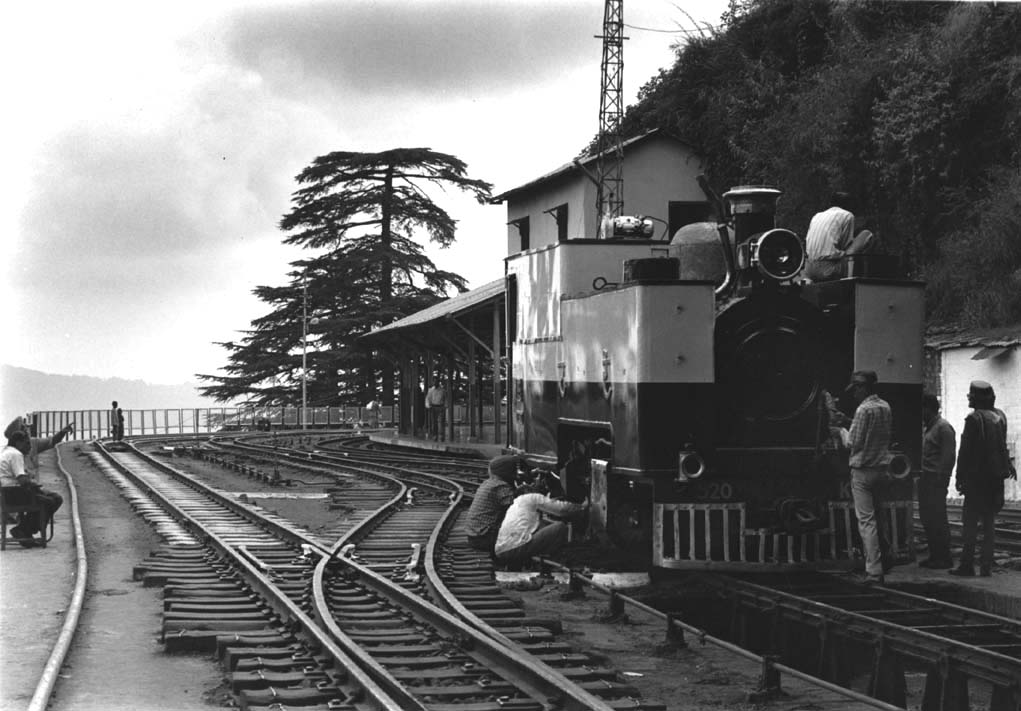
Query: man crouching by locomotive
[
  {"x": 492, "y": 499},
  {"x": 869, "y": 444}
]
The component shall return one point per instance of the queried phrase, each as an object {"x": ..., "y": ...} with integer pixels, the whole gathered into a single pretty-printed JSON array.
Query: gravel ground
[
  {"x": 118, "y": 662},
  {"x": 695, "y": 679}
]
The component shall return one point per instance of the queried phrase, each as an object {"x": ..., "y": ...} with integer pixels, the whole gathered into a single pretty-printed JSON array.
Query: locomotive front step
[{"x": 701, "y": 535}]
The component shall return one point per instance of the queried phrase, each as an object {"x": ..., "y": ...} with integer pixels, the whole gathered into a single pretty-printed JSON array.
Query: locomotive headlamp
[
  {"x": 690, "y": 465},
  {"x": 779, "y": 254}
]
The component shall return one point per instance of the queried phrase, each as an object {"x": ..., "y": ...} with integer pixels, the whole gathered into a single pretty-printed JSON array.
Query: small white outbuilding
[{"x": 956, "y": 357}]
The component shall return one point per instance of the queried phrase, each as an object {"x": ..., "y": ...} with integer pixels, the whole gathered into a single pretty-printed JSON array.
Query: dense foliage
[
  {"x": 912, "y": 107},
  {"x": 360, "y": 213}
]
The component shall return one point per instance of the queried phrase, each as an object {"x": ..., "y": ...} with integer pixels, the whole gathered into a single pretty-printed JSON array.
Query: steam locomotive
[{"x": 692, "y": 389}]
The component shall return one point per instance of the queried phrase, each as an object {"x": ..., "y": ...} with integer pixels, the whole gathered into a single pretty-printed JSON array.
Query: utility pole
[
  {"x": 610, "y": 150},
  {"x": 304, "y": 350}
]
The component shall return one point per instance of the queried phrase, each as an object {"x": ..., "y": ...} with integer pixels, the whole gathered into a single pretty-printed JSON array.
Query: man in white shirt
[
  {"x": 524, "y": 534},
  {"x": 37, "y": 445},
  {"x": 831, "y": 238},
  {"x": 14, "y": 475},
  {"x": 436, "y": 405}
]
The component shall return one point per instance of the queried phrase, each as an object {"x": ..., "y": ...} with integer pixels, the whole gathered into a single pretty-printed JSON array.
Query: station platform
[
  {"x": 36, "y": 586},
  {"x": 999, "y": 594},
  {"x": 461, "y": 444}
]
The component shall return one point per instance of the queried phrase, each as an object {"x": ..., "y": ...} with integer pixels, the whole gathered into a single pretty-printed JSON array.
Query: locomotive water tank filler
[{"x": 690, "y": 389}]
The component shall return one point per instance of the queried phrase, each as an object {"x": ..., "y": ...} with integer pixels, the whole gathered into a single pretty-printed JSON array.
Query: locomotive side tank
[{"x": 689, "y": 389}]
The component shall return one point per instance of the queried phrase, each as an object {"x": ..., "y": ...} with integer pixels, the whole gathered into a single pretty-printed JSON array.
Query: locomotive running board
[{"x": 703, "y": 535}]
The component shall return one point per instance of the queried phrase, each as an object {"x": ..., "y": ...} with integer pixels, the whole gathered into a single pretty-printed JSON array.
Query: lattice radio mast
[{"x": 610, "y": 149}]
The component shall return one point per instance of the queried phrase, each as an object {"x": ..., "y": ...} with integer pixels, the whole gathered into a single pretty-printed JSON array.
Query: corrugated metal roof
[
  {"x": 950, "y": 337},
  {"x": 568, "y": 168},
  {"x": 452, "y": 306}
]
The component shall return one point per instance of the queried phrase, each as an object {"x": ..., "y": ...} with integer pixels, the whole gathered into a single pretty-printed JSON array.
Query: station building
[{"x": 463, "y": 339}]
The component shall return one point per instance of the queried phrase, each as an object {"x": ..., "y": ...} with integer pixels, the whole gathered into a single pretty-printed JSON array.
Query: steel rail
[
  {"x": 920, "y": 645},
  {"x": 535, "y": 679},
  {"x": 388, "y": 470},
  {"x": 485, "y": 642},
  {"x": 540, "y": 680},
  {"x": 51, "y": 670},
  {"x": 671, "y": 622},
  {"x": 435, "y": 581},
  {"x": 372, "y": 694}
]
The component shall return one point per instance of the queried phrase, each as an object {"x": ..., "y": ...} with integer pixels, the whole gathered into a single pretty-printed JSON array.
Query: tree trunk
[{"x": 386, "y": 282}]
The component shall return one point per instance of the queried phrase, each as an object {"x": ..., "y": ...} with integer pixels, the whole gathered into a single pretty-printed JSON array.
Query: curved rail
[
  {"x": 370, "y": 692},
  {"x": 44, "y": 689},
  {"x": 532, "y": 680}
]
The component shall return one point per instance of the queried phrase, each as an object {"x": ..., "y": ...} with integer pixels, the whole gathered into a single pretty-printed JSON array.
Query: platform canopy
[
  {"x": 460, "y": 338},
  {"x": 448, "y": 323}
]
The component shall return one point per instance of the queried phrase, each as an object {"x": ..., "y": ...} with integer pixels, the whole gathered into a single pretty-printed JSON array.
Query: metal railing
[{"x": 95, "y": 424}]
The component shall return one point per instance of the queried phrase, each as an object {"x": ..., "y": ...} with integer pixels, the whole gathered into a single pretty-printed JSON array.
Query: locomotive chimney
[{"x": 753, "y": 208}]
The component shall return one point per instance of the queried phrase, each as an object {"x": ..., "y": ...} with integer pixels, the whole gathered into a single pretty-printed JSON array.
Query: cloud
[
  {"x": 453, "y": 49},
  {"x": 215, "y": 171}
]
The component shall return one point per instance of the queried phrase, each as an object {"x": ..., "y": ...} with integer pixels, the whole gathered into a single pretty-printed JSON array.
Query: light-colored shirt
[
  {"x": 871, "y": 429},
  {"x": 12, "y": 465},
  {"x": 38, "y": 445},
  {"x": 829, "y": 234},
  {"x": 524, "y": 516},
  {"x": 436, "y": 397},
  {"x": 939, "y": 448}
]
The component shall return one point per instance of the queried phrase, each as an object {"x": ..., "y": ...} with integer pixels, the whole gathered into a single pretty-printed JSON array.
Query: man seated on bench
[
  {"x": 14, "y": 475},
  {"x": 37, "y": 445}
]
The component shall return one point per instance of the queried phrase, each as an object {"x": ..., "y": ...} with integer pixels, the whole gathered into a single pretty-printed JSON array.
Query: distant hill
[{"x": 23, "y": 390}]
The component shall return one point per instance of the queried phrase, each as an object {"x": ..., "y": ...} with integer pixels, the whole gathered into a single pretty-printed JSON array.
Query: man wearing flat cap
[
  {"x": 492, "y": 499},
  {"x": 982, "y": 465},
  {"x": 869, "y": 445}
]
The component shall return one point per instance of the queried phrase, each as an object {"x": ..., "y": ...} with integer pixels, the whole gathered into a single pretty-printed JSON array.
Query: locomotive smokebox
[{"x": 753, "y": 208}]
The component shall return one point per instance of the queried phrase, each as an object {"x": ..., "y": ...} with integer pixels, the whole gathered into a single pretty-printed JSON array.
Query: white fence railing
[{"x": 95, "y": 424}]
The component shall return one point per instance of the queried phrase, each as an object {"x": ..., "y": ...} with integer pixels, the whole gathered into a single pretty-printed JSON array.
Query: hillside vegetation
[{"x": 913, "y": 108}]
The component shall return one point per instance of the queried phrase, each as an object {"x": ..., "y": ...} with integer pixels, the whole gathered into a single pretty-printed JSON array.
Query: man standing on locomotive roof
[
  {"x": 939, "y": 450},
  {"x": 869, "y": 445}
]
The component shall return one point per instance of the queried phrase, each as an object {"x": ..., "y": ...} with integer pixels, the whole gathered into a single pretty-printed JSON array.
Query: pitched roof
[
  {"x": 945, "y": 337},
  {"x": 453, "y": 306},
  {"x": 572, "y": 167}
]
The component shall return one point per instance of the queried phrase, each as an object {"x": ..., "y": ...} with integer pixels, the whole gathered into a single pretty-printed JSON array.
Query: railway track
[
  {"x": 826, "y": 625},
  {"x": 254, "y": 610},
  {"x": 1008, "y": 529},
  {"x": 463, "y": 579},
  {"x": 360, "y": 599}
]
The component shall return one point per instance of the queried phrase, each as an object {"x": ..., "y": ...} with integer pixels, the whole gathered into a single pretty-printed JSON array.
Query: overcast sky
[{"x": 150, "y": 149}]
